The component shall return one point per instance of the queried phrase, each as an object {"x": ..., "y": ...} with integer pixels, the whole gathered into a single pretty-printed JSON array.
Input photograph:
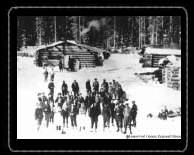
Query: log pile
[
  {"x": 171, "y": 76},
  {"x": 156, "y": 58}
]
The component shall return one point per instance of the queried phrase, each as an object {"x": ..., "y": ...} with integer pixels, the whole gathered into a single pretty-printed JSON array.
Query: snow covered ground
[{"x": 150, "y": 98}]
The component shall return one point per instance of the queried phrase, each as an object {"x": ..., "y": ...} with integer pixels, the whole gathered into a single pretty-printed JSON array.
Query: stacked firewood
[{"x": 171, "y": 76}]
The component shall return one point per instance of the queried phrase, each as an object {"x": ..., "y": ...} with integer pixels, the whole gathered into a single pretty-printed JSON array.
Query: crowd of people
[{"x": 108, "y": 99}]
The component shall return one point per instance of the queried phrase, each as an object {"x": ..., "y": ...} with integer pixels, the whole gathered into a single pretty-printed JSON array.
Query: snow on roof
[
  {"x": 55, "y": 43},
  {"x": 50, "y": 45},
  {"x": 72, "y": 42},
  {"x": 173, "y": 61},
  {"x": 161, "y": 51},
  {"x": 95, "y": 49}
]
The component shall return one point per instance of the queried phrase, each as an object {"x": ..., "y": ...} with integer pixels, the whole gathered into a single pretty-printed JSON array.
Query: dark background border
[{"x": 123, "y": 144}]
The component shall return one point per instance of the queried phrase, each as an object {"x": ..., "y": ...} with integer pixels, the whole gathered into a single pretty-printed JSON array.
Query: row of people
[
  {"x": 95, "y": 103},
  {"x": 114, "y": 88}
]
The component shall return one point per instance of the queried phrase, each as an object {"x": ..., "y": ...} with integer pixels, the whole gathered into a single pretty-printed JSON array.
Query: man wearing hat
[
  {"x": 47, "y": 113},
  {"x": 52, "y": 75},
  {"x": 75, "y": 88},
  {"x": 134, "y": 113},
  {"x": 59, "y": 100},
  {"x": 51, "y": 87},
  {"x": 88, "y": 86},
  {"x": 119, "y": 115},
  {"x": 45, "y": 74},
  {"x": 64, "y": 88},
  {"x": 94, "y": 113},
  {"x": 73, "y": 114},
  {"x": 96, "y": 85},
  {"x": 44, "y": 99},
  {"x": 51, "y": 103},
  {"x": 104, "y": 85},
  {"x": 39, "y": 114},
  {"x": 89, "y": 99},
  {"x": 127, "y": 117},
  {"x": 39, "y": 102}
]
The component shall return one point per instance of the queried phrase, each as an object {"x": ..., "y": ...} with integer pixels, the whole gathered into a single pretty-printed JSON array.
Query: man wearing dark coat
[
  {"x": 75, "y": 88},
  {"x": 106, "y": 111},
  {"x": 45, "y": 75},
  {"x": 94, "y": 113},
  {"x": 60, "y": 65},
  {"x": 39, "y": 113},
  {"x": 59, "y": 100},
  {"x": 89, "y": 99},
  {"x": 52, "y": 75},
  {"x": 104, "y": 85},
  {"x": 51, "y": 103},
  {"x": 64, "y": 88},
  {"x": 73, "y": 114},
  {"x": 127, "y": 118},
  {"x": 51, "y": 87},
  {"x": 119, "y": 115},
  {"x": 65, "y": 112},
  {"x": 47, "y": 113},
  {"x": 96, "y": 85},
  {"x": 134, "y": 113},
  {"x": 88, "y": 86}
]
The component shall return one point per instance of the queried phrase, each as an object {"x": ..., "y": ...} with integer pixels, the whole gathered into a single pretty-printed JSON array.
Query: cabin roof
[
  {"x": 93, "y": 49},
  {"x": 161, "y": 51}
]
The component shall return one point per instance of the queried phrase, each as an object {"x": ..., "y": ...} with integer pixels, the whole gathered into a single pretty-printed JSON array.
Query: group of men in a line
[{"x": 107, "y": 99}]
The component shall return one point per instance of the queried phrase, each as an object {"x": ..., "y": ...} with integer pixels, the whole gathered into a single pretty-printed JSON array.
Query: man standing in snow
[
  {"x": 114, "y": 88},
  {"x": 52, "y": 75},
  {"x": 119, "y": 115},
  {"x": 60, "y": 65},
  {"x": 88, "y": 86},
  {"x": 65, "y": 112},
  {"x": 94, "y": 113},
  {"x": 51, "y": 103},
  {"x": 51, "y": 87},
  {"x": 127, "y": 118},
  {"x": 59, "y": 100},
  {"x": 104, "y": 85},
  {"x": 96, "y": 85},
  {"x": 82, "y": 113},
  {"x": 75, "y": 88},
  {"x": 39, "y": 113},
  {"x": 45, "y": 75},
  {"x": 47, "y": 113},
  {"x": 89, "y": 100},
  {"x": 73, "y": 114},
  {"x": 134, "y": 113},
  {"x": 64, "y": 88}
]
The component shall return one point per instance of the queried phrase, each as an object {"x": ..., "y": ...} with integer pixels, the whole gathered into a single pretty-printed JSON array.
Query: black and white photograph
[{"x": 99, "y": 77}]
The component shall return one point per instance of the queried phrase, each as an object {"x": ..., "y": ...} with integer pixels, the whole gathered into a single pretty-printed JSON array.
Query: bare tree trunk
[
  {"x": 153, "y": 31},
  {"x": 139, "y": 32},
  {"x": 156, "y": 32},
  {"x": 79, "y": 29},
  {"x": 170, "y": 30},
  {"x": 132, "y": 32},
  {"x": 39, "y": 30},
  {"x": 144, "y": 30},
  {"x": 114, "y": 31},
  {"x": 162, "y": 30},
  {"x": 55, "y": 29}
]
